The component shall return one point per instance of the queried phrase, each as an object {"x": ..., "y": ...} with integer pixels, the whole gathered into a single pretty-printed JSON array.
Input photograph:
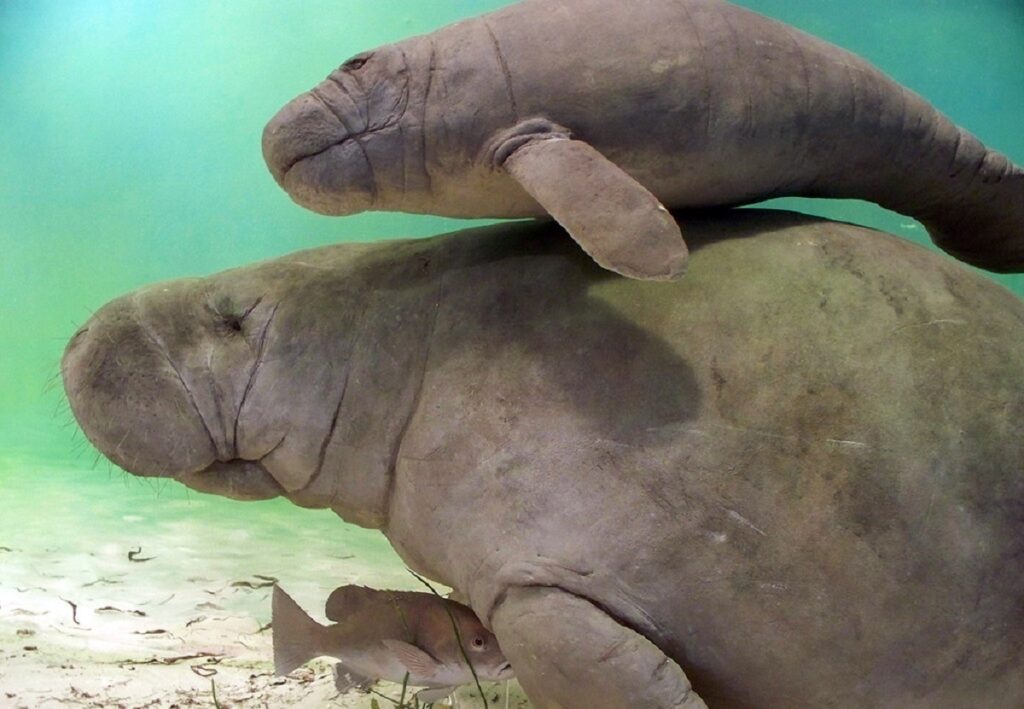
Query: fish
[{"x": 400, "y": 636}]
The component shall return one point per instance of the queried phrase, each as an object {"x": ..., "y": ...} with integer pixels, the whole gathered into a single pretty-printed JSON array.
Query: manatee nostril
[
  {"x": 75, "y": 339},
  {"x": 354, "y": 64},
  {"x": 78, "y": 335}
]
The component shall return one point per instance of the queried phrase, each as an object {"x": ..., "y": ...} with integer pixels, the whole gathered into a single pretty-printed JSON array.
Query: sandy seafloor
[{"x": 82, "y": 625}]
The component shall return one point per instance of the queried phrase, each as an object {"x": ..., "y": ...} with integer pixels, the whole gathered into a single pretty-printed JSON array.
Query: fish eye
[{"x": 479, "y": 642}]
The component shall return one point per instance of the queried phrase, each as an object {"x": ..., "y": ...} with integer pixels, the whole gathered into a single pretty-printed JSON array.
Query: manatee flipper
[
  {"x": 620, "y": 224},
  {"x": 346, "y": 679},
  {"x": 569, "y": 653}
]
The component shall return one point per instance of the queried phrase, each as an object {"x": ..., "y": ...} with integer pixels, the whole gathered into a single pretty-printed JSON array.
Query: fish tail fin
[
  {"x": 978, "y": 215},
  {"x": 296, "y": 634}
]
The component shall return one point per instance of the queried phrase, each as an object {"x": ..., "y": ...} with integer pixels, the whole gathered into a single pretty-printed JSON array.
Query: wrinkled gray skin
[
  {"x": 702, "y": 102},
  {"x": 796, "y": 475}
]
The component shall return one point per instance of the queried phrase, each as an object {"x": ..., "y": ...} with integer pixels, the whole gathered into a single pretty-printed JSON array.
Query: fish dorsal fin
[
  {"x": 420, "y": 664},
  {"x": 346, "y": 601}
]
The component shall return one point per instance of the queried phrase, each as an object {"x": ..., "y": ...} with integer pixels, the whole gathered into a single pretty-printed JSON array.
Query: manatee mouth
[
  {"x": 237, "y": 478},
  {"x": 315, "y": 157},
  {"x": 305, "y": 128},
  {"x": 325, "y": 153}
]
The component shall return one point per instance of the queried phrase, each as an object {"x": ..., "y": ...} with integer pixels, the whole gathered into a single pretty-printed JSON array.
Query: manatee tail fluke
[
  {"x": 295, "y": 633},
  {"x": 980, "y": 219}
]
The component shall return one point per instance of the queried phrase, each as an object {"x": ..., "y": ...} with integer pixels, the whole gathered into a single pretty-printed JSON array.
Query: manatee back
[
  {"x": 800, "y": 466},
  {"x": 862, "y": 401},
  {"x": 857, "y": 460}
]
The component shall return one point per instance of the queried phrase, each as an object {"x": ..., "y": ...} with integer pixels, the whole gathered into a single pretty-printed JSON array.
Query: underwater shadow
[
  {"x": 523, "y": 300},
  {"x": 523, "y": 293}
]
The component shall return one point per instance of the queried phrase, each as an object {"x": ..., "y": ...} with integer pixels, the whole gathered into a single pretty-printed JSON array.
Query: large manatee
[
  {"x": 596, "y": 110},
  {"x": 796, "y": 477}
]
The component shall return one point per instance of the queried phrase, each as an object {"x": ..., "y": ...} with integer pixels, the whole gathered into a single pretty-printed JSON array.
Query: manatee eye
[
  {"x": 228, "y": 317},
  {"x": 355, "y": 63}
]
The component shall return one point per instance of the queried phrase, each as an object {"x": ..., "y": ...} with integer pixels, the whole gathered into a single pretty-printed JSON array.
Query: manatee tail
[
  {"x": 296, "y": 635},
  {"x": 981, "y": 219},
  {"x": 899, "y": 151},
  {"x": 970, "y": 198}
]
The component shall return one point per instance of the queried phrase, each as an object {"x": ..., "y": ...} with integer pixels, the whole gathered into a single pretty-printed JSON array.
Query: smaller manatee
[
  {"x": 389, "y": 635},
  {"x": 603, "y": 113}
]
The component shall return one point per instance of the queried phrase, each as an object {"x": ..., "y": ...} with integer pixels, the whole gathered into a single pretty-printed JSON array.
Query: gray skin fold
[
  {"x": 693, "y": 103},
  {"x": 793, "y": 479}
]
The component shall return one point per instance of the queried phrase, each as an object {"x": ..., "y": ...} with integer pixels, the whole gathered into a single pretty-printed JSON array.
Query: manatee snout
[
  {"x": 220, "y": 382},
  {"x": 342, "y": 147},
  {"x": 315, "y": 159},
  {"x": 126, "y": 397},
  {"x": 303, "y": 128},
  {"x": 157, "y": 380}
]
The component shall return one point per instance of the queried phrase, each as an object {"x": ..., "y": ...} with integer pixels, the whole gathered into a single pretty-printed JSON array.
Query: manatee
[
  {"x": 600, "y": 111},
  {"x": 793, "y": 479}
]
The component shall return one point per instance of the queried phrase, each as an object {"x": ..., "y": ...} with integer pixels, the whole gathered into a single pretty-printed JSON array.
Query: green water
[{"x": 130, "y": 152}]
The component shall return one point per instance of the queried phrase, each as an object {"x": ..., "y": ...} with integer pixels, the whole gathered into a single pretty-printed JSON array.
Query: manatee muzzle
[
  {"x": 129, "y": 400},
  {"x": 238, "y": 479},
  {"x": 322, "y": 146},
  {"x": 134, "y": 407},
  {"x": 314, "y": 156}
]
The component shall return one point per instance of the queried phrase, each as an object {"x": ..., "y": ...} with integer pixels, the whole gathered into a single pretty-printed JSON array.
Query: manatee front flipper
[
  {"x": 566, "y": 652},
  {"x": 612, "y": 216}
]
